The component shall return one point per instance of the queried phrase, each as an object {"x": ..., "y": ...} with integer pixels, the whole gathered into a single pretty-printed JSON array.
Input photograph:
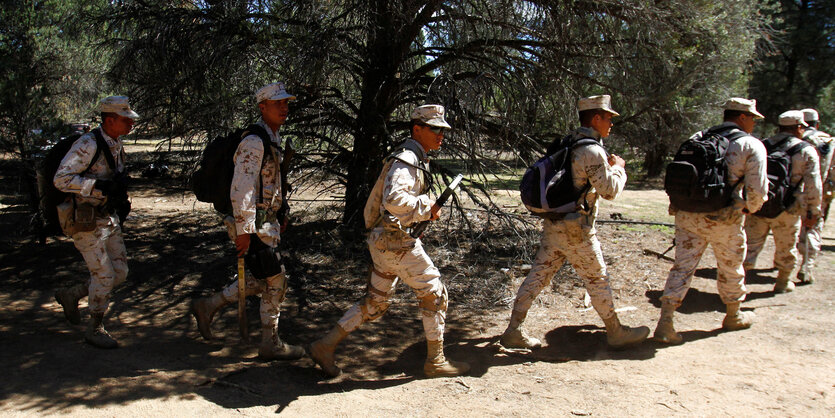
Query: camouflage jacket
[
  {"x": 256, "y": 169},
  {"x": 804, "y": 172},
  {"x": 71, "y": 176}
]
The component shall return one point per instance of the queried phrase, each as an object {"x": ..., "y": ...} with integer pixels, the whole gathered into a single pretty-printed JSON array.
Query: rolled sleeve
[
  {"x": 247, "y": 159},
  {"x": 401, "y": 195}
]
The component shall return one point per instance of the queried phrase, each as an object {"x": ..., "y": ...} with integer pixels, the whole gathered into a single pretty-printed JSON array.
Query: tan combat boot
[
  {"x": 96, "y": 335},
  {"x": 438, "y": 366},
  {"x": 664, "y": 331},
  {"x": 321, "y": 351},
  {"x": 68, "y": 299},
  {"x": 272, "y": 348},
  {"x": 805, "y": 278},
  {"x": 515, "y": 337},
  {"x": 736, "y": 319},
  {"x": 784, "y": 283},
  {"x": 204, "y": 310},
  {"x": 620, "y": 336}
]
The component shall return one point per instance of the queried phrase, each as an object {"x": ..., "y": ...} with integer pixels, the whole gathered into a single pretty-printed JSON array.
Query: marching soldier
[
  {"x": 805, "y": 180},
  {"x": 572, "y": 237},
  {"x": 722, "y": 228},
  {"x": 398, "y": 202},
  {"x": 256, "y": 200},
  {"x": 809, "y": 240},
  {"x": 94, "y": 178}
]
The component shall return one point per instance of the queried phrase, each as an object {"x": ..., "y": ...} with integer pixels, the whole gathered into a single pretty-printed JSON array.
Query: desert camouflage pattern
[
  {"x": 810, "y": 239},
  {"x": 253, "y": 166},
  {"x": 397, "y": 256},
  {"x": 785, "y": 228},
  {"x": 723, "y": 228},
  {"x": 804, "y": 173},
  {"x": 574, "y": 238},
  {"x": 71, "y": 177},
  {"x": 103, "y": 248}
]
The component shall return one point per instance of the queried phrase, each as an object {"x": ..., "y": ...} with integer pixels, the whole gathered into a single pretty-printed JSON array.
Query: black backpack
[
  {"x": 547, "y": 187},
  {"x": 696, "y": 179},
  {"x": 780, "y": 189},
  {"x": 212, "y": 182},
  {"x": 49, "y": 195},
  {"x": 810, "y": 136}
]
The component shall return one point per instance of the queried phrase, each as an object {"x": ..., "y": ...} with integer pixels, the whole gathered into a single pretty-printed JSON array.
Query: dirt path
[{"x": 783, "y": 366}]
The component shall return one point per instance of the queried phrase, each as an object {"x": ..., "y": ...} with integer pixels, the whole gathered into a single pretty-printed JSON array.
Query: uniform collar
[
  {"x": 273, "y": 135},
  {"x": 779, "y": 137},
  {"x": 588, "y": 132},
  {"x": 105, "y": 136},
  {"x": 417, "y": 148}
]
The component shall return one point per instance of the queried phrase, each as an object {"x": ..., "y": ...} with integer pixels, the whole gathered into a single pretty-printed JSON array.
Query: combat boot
[
  {"x": 736, "y": 319},
  {"x": 515, "y": 337},
  {"x": 321, "y": 351},
  {"x": 664, "y": 331},
  {"x": 96, "y": 335},
  {"x": 805, "y": 278},
  {"x": 204, "y": 310},
  {"x": 620, "y": 336},
  {"x": 783, "y": 284},
  {"x": 272, "y": 348},
  {"x": 68, "y": 299},
  {"x": 438, "y": 366}
]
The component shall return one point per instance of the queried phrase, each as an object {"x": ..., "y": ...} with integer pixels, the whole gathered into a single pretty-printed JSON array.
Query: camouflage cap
[
  {"x": 743, "y": 105},
  {"x": 118, "y": 105},
  {"x": 602, "y": 102},
  {"x": 810, "y": 115},
  {"x": 274, "y": 91},
  {"x": 791, "y": 118},
  {"x": 432, "y": 115}
]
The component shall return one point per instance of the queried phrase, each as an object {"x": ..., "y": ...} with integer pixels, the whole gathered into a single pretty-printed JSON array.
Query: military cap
[
  {"x": 602, "y": 102},
  {"x": 118, "y": 105},
  {"x": 743, "y": 105},
  {"x": 791, "y": 118},
  {"x": 274, "y": 91},
  {"x": 432, "y": 115},
  {"x": 810, "y": 115}
]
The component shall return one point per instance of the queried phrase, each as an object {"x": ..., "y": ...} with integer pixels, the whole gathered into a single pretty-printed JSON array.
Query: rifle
[{"x": 417, "y": 231}]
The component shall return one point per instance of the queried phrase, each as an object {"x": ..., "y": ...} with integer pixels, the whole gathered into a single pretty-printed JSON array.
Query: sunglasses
[{"x": 435, "y": 130}]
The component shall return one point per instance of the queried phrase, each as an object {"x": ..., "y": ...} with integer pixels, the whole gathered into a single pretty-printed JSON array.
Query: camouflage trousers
[
  {"x": 271, "y": 290},
  {"x": 414, "y": 267},
  {"x": 104, "y": 253},
  {"x": 575, "y": 241},
  {"x": 694, "y": 231},
  {"x": 809, "y": 243},
  {"x": 785, "y": 228}
]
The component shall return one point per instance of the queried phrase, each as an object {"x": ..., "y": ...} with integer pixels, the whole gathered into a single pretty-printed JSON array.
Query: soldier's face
[
  {"x": 429, "y": 137},
  {"x": 602, "y": 123},
  {"x": 274, "y": 112},
  {"x": 117, "y": 126},
  {"x": 747, "y": 122}
]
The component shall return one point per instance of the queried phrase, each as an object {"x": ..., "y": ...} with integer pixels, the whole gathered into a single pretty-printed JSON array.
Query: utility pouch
[
  {"x": 262, "y": 260},
  {"x": 394, "y": 240},
  {"x": 66, "y": 217},
  {"x": 85, "y": 217}
]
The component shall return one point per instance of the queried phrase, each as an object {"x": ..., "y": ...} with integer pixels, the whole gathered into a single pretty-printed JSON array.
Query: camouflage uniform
[
  {"x": 103, "y": 248},
  {"x": 395, "y": 254},
  {"x": 574, "y": 238},
  {"x": 722, "y": 229},
  {"x": 813, "y": 235},
  {"x": 804, "y": 172},
  {"x": 256, "y": 166}
]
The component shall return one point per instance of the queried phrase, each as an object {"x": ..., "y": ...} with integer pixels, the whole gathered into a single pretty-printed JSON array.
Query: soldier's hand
[
  {"x": 107, "y": 187},
  {"x": 616, "y": 160},
  {"x": 436, "y": 212},
  {"x": 242, "y": 244}
]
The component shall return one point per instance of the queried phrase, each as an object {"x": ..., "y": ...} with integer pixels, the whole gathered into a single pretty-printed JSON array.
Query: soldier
[
  {"x": 722, "y": 229},
  {"x": 256, "y": 229},
  {"x": 572, "y": 236},
  {"x": 809, "y": 240},
  {"x": 805, "y": 180},
  {"x": 398, "y": 202},
  {"x": 93, "y": 177}
]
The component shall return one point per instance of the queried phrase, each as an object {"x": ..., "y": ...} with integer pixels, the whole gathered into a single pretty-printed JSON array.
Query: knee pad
[
  {"x": 262, "y": 260},
  {"x": 373, "y": 308},
  {"x": 277, "y": 285},
  {"x": 433, "y": 303}
]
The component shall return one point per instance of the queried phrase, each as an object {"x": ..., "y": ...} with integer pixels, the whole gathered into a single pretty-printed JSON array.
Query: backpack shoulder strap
[
  {"x": 101, "y": 146},
  {"x": 794, "y": 149}
]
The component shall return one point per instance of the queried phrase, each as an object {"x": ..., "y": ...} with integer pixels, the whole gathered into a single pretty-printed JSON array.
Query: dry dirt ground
[{"x": 783, "y": 366}]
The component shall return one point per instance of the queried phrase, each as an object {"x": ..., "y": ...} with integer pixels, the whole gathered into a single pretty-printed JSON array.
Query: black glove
[{"x": 107, "y": 187}]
